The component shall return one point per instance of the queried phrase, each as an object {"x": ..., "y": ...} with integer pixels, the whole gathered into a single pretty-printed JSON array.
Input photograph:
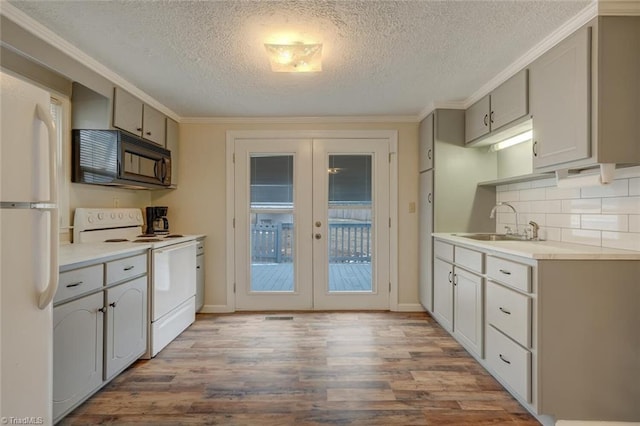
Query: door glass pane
[
  {"x": 272, "y": 224},
  {"x": 350, "y": 240}
]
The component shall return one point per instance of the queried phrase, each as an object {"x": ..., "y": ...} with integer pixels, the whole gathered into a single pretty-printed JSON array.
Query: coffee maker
[{"x": 157, "y": 222}]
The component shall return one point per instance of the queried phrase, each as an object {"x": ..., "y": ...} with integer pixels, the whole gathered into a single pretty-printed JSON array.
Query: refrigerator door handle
[{"x": 46, "y": 296}]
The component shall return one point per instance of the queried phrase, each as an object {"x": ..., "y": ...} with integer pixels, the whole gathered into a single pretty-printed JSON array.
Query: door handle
[{"x": 318, "y": 236}]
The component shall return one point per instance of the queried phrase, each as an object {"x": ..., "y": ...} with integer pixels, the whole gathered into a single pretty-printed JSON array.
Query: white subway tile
[
  {"x": 563, "y": 220},
  {"x": 628, "y": 172},
  {"x": 552, "y": 206},
  {"x": 509, "y": 218},
  {"x": 520, "y": 206},
  {"x": 502, "y": 188},
  {"x": 581, "y": 236},
  {"x": 621, "y": 240},
  {"x": 587, "y": 206},
  {"x": 605, "y": 222},
  {"x": 508, "y": 196},
  {"x": 634, "y": 186},
  {"x": 634, "y": 223},
  {"x": 551, "y": 234},
  {"x": 622, "y": 205},
  {"x": 618, "y": 188},
  {"x": 520, "y": 185},
  {"x": 562, "y": 193},
  {"x": 543, "y": 183},
  {"x": 539, "y": 218},
  {"x": 533, "y": 194}
]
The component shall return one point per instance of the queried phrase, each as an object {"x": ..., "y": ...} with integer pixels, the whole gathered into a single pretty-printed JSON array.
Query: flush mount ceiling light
[{"x": 295, "y": 57}]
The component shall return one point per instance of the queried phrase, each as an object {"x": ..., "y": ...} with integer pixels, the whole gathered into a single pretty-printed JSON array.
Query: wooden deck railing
[{"x": 348, "y": 243}]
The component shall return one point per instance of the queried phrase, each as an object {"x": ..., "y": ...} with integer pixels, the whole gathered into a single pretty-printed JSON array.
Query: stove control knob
[
  {"x": 90, "y": 219},
  {"x": 120, "y": 215},
  {"x": 113, "y": 215},
  {"x": 138, "y": 217},
  {"x": 130, "y": 215},
  {"x": 100, "y": 216}
]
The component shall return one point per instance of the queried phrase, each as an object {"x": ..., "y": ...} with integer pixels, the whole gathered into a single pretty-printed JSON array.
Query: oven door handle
[{"x": 174, "y": 247}]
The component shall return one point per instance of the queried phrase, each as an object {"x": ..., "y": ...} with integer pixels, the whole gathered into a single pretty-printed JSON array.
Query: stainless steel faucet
[
  {"x": 492, "y": 215},
  {"x": 534, "y": 230}
]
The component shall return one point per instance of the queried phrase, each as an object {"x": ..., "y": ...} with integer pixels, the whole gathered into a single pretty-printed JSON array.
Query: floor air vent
[{"x": 278, "y": 318}]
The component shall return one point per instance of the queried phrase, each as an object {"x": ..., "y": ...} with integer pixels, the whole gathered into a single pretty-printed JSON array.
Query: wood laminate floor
[{"x": 360, "y": 368}]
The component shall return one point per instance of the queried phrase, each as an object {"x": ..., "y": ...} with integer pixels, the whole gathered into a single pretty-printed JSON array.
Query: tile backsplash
[{"x": 605, "y": 215}]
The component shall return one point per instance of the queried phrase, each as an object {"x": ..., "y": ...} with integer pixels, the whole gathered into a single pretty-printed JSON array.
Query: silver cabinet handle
[
  {"x": 503, "y": 310},
  {"x": 504, "y": 359},
  {"x": 429, "y": 154},
  {"x": 197, "y": 267},
  {"x": 450, "y": 280},
  {"x": 139, "y": 129},
  {"x": 429, "y": 198},
  {"x": 112, "y": 304},
  {"x": 148, "y": 133},
  {"x": 455, "y": 279},
  {"x": 74, "y": 284},
  {"x": 486, "y": 120},
  {"x": 535, "y": 148},
  {"x": 491, "y": 117},
  {"x": 505, "y": 272},
  {"x": 103, "y": 309},
  {"x": 128, "y": 268}
]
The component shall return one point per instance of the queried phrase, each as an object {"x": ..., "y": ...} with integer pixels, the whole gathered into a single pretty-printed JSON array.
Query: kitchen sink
[{"x": 492, "y": 237}]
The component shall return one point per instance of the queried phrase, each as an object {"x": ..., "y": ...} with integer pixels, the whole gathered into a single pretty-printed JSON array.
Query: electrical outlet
[{"x": 116, "y": 202}]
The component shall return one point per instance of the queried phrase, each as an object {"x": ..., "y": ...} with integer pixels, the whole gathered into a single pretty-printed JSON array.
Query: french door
[{"x": 311, "y": 224}]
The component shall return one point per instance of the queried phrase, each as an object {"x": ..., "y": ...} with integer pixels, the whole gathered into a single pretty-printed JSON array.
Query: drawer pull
[
  {"x": 505, "y": 272},
  {"x": 103, "y": 309},
  {"x": 128, "y": 268},
  {"x": 74, "y": 284},
  {"x": 503, "y": 310},
  {"x": 197, "y": 267},
  {"x": 503, "y": 359},
  {"x": 112, "y": 304}
]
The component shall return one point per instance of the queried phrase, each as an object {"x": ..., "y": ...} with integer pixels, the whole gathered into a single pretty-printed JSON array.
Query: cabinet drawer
[
  {"x": 469, "y": 259},
  {"x": 443, "y": 250},
  {"x": 510, "y": 312},
  {"x": 79, "y": 281},
  {"x": 509, "y": 361},
  {"x": 515, "y": 274},
  {"x": 120, "y": 270}
]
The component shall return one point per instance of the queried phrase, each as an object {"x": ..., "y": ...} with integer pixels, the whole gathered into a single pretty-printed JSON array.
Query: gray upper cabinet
[
  {"x": 560, "y": 102},
  {"x": 426, "y": 143},
  {"x": 132, "y": 115},
  {"x": 584, "y": 97},
  {"x": 173, "y": 141},
  {"x": 505, "y": 105}
]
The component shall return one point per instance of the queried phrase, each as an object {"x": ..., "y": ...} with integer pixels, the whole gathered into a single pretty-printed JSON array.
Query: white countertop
[
  {"x": 71, "y": 254},
  {"x": 543, "y": 250}
]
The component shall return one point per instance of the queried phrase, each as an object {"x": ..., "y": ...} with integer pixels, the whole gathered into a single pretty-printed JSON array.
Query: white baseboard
[
  {"x": 216, "y": 309},
  {"x": 409, "y": 307},
  {"x": 593, "y": 423}
]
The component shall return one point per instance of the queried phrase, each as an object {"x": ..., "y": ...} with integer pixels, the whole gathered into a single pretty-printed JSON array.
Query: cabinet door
[
  {"x": 443, "y": 293},
  {"x": 153, "y": 125},
  {"x": 426, "y": 240},
  {"x": 77, "y": 352},
  {"x": 476, "y": 120},
  {"x": 173, "y": 140},
  {"x": 560, "y": 102},
  {"x": 426, "y": 143},
  {"x": 199, "y": 282},
  {"x": 126, "y": 338},
  {"x": 510, "y": 101},
  {"x": 127, "y": 112},
  {"x": 467, "y": 308}
]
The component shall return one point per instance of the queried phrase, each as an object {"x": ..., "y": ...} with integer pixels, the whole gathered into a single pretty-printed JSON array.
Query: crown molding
[
  {"x": 37, "y": 29},
  {"x": 547, "y": 43},
  {"x": 619, "y": 7},
  {"x": 302, "y": 120}
]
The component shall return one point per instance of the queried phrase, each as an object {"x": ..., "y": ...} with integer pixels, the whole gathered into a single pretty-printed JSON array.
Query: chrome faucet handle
[
  {"x": 508, "y": 230},
  {"x": 534, "y": 230}
]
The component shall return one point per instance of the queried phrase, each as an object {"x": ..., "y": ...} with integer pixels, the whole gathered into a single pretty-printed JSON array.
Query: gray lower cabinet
[
  {"x": 199, "y": 275},
  {"x": 77, "y": 351},
  {"x": 561, "y": 335},
  {"x": 425, "y": 288},
  {"x": 100, "y": 322},
  {"x": 126, "y": 328}
]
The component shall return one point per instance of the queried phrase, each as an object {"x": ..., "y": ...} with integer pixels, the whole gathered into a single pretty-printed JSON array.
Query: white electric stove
[{"x": 172, "y": 266}]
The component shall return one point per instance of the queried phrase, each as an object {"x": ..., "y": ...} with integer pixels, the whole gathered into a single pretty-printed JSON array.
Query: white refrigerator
[{"x": 28, "y": 251}]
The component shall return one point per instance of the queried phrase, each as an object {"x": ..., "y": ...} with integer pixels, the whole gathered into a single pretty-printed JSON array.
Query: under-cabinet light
[{"x": 514, "y": 140}]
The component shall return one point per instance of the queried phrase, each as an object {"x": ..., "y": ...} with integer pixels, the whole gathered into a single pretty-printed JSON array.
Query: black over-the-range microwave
[{"x": 115, "y": 158}]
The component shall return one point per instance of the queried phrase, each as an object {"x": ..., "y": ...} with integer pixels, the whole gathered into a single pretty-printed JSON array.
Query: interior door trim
[{"x": 233, "y": 135}]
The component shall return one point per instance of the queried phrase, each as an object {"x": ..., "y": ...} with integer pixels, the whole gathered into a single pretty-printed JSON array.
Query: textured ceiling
[{"x": 206, "y": 58}]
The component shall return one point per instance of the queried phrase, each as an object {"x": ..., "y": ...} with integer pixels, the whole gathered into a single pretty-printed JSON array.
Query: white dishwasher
[{"x": 173, "y": 292}]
